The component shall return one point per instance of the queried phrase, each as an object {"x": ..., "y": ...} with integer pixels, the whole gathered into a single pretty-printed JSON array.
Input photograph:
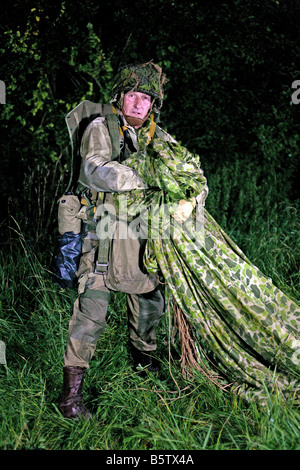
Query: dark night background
[{"x": 230, "y": 67}]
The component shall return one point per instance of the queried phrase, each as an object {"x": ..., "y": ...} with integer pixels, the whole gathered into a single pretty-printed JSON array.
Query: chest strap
[{"x": 102, "y": 262}]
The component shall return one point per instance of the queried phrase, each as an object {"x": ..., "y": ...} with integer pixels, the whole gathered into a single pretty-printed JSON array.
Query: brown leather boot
[{"x": 71, "y": 404}]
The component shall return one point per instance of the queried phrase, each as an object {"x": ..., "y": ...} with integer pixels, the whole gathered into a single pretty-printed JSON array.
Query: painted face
[{"x": 136, "y": 105}]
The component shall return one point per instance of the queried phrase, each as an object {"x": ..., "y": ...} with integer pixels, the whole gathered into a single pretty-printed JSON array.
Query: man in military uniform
[{"x": 137, "y": 98}]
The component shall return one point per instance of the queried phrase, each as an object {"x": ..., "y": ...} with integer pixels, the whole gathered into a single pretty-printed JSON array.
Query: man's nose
[{"x": 138, "y": 102}]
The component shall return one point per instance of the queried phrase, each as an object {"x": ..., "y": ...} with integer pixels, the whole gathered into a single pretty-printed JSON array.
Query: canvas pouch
[{"x": 68, "y": 207}]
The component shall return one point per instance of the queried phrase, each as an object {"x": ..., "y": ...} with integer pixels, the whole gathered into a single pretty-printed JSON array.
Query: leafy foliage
[
  {"x": 47, "y": 73},
  {"x": 230, "y": 67}
]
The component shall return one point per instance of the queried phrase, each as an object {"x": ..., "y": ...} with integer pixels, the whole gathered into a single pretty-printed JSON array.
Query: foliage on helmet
[{"x": 144, "y": 78}]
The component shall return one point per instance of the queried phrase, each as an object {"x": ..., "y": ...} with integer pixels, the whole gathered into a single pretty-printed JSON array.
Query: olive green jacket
[{"x": 100, "y": 173}]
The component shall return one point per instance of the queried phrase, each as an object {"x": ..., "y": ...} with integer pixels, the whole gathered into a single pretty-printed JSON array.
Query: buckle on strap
[{"x": 101, "y": 268}]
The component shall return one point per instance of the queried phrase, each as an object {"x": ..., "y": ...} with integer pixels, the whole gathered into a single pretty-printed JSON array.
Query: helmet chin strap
[{"x": 134, "y": 121}]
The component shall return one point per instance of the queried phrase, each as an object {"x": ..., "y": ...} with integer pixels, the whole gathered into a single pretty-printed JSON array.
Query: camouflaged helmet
[{"x": 144, "y": 78}]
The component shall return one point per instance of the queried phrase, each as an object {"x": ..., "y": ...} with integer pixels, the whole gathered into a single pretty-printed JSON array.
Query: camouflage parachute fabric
[{"x": 236, "y": 315}]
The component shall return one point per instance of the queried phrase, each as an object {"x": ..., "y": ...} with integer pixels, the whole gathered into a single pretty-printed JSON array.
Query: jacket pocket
[{"x": 126, "y": 271}]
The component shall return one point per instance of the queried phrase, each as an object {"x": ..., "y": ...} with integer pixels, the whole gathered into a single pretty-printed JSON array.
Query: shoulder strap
[
  {"x": 77, "y": 120},
  {"x": 114, "y": 132}
]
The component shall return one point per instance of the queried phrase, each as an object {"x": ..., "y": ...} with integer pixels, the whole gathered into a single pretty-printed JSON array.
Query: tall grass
[{"x": 156, "y": 412}]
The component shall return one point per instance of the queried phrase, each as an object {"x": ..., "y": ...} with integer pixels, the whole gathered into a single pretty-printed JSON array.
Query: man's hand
[{"x": 184, "y": 210}]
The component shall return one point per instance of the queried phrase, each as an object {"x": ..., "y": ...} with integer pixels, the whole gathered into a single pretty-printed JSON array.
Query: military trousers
[{"x": 89, "y": 321}]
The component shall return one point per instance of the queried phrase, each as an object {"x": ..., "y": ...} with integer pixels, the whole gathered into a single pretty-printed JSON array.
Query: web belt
[{"x": 102, "y": 261}]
